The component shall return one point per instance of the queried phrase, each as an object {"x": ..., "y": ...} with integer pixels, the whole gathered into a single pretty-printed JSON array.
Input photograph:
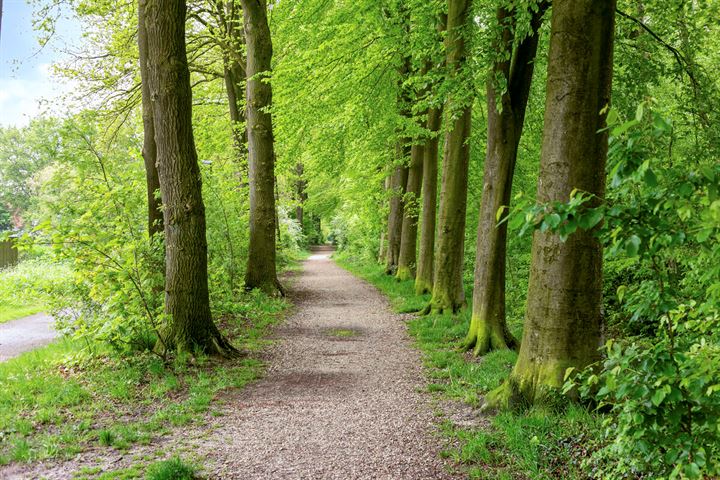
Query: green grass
[
  {"x": 24, "y": 287},
  {"x": 342, "y": 333},
  {"x": 540, "y": 443},
  {"x": 11, "y": 311},
  {"x": 55, "y": 402},
  {"x": 172, "y": 469}
]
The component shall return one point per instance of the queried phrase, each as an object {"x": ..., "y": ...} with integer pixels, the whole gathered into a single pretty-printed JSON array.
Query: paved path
[{"x": 24, "y": 334}]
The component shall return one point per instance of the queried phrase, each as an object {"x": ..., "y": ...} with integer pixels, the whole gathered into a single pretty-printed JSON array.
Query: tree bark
[
  {"x": 398, "y": 181},
  {"x": 426, "y": 254},
  {"x": 448, "y": 294},
  {"x": 261, "y": 270},
  {"x": 408, "y": 234},
  {"x": 563, "y": 320},
  {"x": 488, "y": 327},
  {"x": 187, "y": 304},
  {"x": 300, "y": 193},
  {"x": 149, "y": 149}
]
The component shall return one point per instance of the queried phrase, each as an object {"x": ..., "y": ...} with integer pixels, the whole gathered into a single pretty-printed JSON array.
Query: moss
[{"x": 403, "y": 273}]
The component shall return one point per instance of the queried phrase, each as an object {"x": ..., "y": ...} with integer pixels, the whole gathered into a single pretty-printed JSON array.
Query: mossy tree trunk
[
  {"x": 261, "y": 270},
  {"x": 187, "y": 304},
  {"x": 409, "y": 230},
  {"x": 300, "y": 193},
  {"x": 488, "y": 328},
  {"x": 448, "y": 295},
  {"x": 426, "y": 250},
  {"x": 149, "y": 149},
  {"x": 563, "y": 320},
  {"x": 398, "y": 181}
]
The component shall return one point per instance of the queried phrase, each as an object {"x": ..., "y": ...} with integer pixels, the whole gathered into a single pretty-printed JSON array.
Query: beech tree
[
  {"x": 261, "y": 270},
  {"x": 488, "y": 328},
  {"x": 409, "y": 229},
  {"x": 448, "y": 295},
  {"x": 426, "y": 249},
  {"x": 187, "y": 302},
  {"x": 563, "y": 320},
  {"x": 149, "y": 149}
]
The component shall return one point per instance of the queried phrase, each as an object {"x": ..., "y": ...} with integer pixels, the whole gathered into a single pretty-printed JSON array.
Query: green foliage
[
  {"x": 662, "y": 393},
  {"x": 27, "y": 287},
  {"x": 171, "y": 469},
  {"x": 56, "y": 402}
]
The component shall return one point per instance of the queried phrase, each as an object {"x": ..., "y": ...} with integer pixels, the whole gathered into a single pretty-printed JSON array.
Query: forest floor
[
  {"x": 344, "y": 396},
  {"x": 24, "y": 334}
]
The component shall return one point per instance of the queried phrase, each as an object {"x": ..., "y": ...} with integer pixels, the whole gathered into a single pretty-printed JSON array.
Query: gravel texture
[{"x": 341, "y": 399}]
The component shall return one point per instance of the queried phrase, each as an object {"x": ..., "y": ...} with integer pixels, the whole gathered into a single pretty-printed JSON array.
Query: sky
[{"x": 27, "y": 86}]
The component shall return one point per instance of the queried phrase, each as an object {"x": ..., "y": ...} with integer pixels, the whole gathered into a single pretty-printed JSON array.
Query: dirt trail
[
  {"x": 341, "y": 399},
  {"x": 24, "y": 334}
]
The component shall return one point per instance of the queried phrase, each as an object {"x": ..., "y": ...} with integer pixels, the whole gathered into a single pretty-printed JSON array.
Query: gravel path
[
  {"x": 341, "y": 399},
  {"x": 24, "y": 334}
]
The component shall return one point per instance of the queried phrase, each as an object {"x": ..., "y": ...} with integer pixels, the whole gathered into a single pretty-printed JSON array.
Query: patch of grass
[
  {"x": 172, "y": 469},
  {"x": 342, "y": 333},
  {"x": 55, "y": 402},
  {"x": 24, "y": 287},
  {"x": 11, "y": 311},
  {"x": 537, "y": 444}
]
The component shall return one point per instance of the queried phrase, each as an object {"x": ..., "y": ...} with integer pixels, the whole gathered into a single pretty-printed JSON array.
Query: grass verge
[
  {"x": 13, "y": 312},
  {"x": 539, "y": 443}
]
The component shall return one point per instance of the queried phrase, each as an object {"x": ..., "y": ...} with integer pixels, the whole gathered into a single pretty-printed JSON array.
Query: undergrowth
[
  {"x": 56, "y": 402},
  {"x": 539, "y": 443}
]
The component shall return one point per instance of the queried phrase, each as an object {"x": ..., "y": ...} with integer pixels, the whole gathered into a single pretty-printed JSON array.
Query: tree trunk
[
  {"x": 187, "y": 302},
  {"x": 488, "y": 328},
  {"x": 563, "y": 320},
  {"x": 408, "y": 234},
  {"x": 149, "y": 149},
  {"x": 300, "y": 193},
  {"x": 261, "y": 271},
  {"x": 398, "y": 181},
  {"x": 426, "y": 253},
  {"x": 424, "y": 276},
  {"x": 448, "y": 295}
]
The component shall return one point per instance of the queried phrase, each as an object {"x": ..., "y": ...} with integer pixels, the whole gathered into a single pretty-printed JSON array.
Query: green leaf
[
  {"x": 658, "y": 397},
  {"x": 639, "y": 112},
  {"x": 632, "y": 245},
  {"x": 553, "y": 220},
  {"x": 590, "y": 219},
  {"x": 650, "y": 178}
]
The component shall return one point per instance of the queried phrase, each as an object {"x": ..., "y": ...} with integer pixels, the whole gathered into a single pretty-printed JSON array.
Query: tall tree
[
  {"x": 448, "y": 295},
  {"x": 261, "y": 270},
  {"x": 187, "y": 302},
  {"x": 488, "y": 328},
  {"x": 398, "y": 181},
  {"x": 149, "y": 150},
  {"x": 563, "y": 320},
  {"x": 426, "y": 253},
  {"x": 426, "y": 248},
  {"x": 408, "y": 234}
]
